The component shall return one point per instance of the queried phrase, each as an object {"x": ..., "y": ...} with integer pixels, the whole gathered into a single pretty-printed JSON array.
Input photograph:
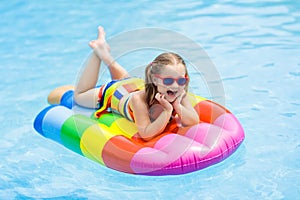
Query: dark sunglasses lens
[
  {"x": 168, "y": 81},
  {"x": 181, "y": 81}
]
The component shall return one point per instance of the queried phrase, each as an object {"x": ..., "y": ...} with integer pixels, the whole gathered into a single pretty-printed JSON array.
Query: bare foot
[{"x": 101, "y": 48}]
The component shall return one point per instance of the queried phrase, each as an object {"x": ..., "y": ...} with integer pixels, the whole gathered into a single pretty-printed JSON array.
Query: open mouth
[{"x": 171, "y": 93}]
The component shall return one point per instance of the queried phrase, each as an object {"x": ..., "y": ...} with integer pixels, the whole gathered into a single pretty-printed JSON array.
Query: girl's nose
[{"x": 174, "y": 85}]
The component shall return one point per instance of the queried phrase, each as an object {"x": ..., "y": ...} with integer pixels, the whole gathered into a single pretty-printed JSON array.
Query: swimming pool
[{"x": 255, "y": 48}]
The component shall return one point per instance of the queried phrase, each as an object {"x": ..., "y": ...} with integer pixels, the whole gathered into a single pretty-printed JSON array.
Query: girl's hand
[
  {"x": 177, "y": 103},
  {"x": 162, "y": 101}
]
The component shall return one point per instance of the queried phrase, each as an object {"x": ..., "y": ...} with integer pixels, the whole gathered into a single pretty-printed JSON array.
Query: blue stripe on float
[
  {"x": 38, "y": 121},
  {"x": 67, "y": 99},
  {"x": 53, "y": 121}
]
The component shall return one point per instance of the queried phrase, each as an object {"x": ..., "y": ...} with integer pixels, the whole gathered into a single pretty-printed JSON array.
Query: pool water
[{"x": 255, "y": 46}]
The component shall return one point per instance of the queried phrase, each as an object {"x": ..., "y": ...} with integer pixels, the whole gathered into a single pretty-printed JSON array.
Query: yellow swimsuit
[{"x": 110, "y": 95}]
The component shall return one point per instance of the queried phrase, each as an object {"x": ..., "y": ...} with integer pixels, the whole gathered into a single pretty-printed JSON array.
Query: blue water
[{"x": 255, "y": 46}]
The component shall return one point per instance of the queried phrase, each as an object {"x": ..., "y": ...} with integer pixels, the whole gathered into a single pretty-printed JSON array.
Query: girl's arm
[
  {"x": 185, "y": 110},
  {"x": 147, "y": 129}
]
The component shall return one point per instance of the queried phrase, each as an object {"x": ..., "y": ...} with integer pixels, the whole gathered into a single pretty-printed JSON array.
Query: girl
[{"x": 150, "y": 104}]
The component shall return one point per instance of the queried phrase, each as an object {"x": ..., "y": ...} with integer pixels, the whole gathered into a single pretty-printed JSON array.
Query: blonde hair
[{"x": 155, "y": 67}]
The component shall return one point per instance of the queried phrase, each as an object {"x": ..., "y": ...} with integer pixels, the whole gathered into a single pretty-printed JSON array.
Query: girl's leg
[
  {"x": 117, "y": 71},
  {"x": 85, "y": 93},
  {"x": 102, "y": 50}
]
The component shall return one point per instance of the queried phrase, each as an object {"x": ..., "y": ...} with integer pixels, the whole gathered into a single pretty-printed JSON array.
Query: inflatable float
[{"x": 113, "y": 141}]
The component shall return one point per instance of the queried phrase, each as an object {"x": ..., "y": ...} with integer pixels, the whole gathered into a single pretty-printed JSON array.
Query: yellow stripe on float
[
  {"x": 93, "y": 140},
  {"x": 124, "y": 127},
  {"x": 195, "y": 99}
]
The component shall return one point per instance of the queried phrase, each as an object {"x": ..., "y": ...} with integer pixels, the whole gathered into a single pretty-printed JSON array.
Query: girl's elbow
[
  {"x": 196, "y": 120},
  {"x": 191, "y": 122},
  {"x": 144, "y": 137}
]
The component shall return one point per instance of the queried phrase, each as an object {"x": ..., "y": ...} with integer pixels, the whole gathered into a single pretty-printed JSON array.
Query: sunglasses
[{"x": 169, "y": 81}]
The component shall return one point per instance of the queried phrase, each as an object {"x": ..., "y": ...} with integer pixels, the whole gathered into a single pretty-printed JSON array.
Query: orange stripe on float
[
  {"x": 209, "y": 111},
  {"x": 118, "y": 152}
]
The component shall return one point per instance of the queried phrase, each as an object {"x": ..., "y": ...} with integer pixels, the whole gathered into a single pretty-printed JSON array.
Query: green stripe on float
[
  {"x": 72, "y": 130},
  {"x": 108, "y": 118}
]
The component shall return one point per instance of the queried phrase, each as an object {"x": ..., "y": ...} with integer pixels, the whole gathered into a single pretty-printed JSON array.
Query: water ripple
[
  {"x": 297, "y": 74},
  {"x": 269, "y": 65},
  {"x": 235, "y": 78},
  {"x": 266, "y": 91},
  {"x": 288, "y": 114},
  {"x": 295, "y": 104}
]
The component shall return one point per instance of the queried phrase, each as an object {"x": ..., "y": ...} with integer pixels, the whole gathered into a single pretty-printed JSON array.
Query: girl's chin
[{"x": 170, "y": 99}]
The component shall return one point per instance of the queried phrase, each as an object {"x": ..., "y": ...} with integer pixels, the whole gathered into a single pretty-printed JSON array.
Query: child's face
[{"x": 171, "y": 81}]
